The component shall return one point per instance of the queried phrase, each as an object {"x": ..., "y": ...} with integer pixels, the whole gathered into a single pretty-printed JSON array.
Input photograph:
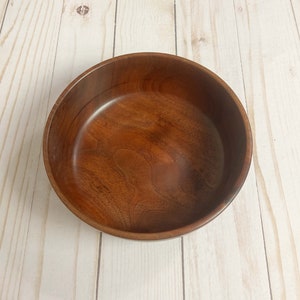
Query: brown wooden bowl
[{"x": 147, "y": 146}]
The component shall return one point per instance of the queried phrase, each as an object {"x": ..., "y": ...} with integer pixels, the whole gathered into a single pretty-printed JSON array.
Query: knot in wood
[{"x": 82, "y": 10}]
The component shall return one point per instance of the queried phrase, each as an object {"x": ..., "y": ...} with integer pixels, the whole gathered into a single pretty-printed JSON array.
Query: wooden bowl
[{"x": 147, "y": 146}]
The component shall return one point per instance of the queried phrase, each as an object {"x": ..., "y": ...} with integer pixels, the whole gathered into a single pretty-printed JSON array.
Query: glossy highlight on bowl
[{"x": 147, "y": 146}]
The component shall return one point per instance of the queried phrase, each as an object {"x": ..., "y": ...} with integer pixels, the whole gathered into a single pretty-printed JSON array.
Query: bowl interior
[{"x": 146, "y": 144}]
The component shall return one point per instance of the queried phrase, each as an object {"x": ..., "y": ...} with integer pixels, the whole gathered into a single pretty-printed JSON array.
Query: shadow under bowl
[{"x": 147, "y": 146}]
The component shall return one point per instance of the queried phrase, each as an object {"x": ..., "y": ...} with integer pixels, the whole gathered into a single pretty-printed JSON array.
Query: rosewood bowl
[{"x": 147, "y": 146}]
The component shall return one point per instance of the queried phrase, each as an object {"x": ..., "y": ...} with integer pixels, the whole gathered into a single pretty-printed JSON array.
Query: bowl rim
[{"x": 226, "y": 201}]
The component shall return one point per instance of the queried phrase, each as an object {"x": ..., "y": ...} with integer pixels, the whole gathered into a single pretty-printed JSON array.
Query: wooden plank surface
[
  {"x": 251, "y": 251},
  {"x": 270, "y": 52},
  {"x": 71, "y": 248},
  {"x": 28, "y": 40},
  {"x": 48, "y": 250},
  {"x": 296, "y": 14},
  {"x": 3, "y": 8},
  {"x": 222, "y": 260}
]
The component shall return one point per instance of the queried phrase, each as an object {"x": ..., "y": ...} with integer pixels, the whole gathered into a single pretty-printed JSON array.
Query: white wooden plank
[
  {"x": 225, "y": 259},
  {"x": 296, "y": 13},
  {"x": 132, "y": 269},
  {"x": 270, "y": 51},
  {"x": 140, "y": 270},
  {"x": 84, "y": 40},
  {"x": 69, "y": 247},
  {"x": 145, "y": 26},
  {"x": 46, "y": 252},
  {"x": 3, "y": 6},
  {"x": 27, "y": 51}
]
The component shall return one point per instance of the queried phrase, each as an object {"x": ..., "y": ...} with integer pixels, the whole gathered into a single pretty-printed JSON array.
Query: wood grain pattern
[
  {"x": 230, "y": 247},
  {"x": 140, "y": 270},
  {"x": 3, "y": 8},
  {"x": 47, "y": 253},
  {"x": 295, "y": 6},
  {"x": 54, "y": 242},
  {"x": 30, "y": 31},
  {"x": 141, "y": 146},
  {"x": 157, "y": 283},
  {"x": 270, "y": 61},
  {"x": 76, "y": 51},
  {"x": 146, "y": 26}
]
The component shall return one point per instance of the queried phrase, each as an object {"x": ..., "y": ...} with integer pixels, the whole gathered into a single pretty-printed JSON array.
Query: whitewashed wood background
[{"x": 251, "y": 251}]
